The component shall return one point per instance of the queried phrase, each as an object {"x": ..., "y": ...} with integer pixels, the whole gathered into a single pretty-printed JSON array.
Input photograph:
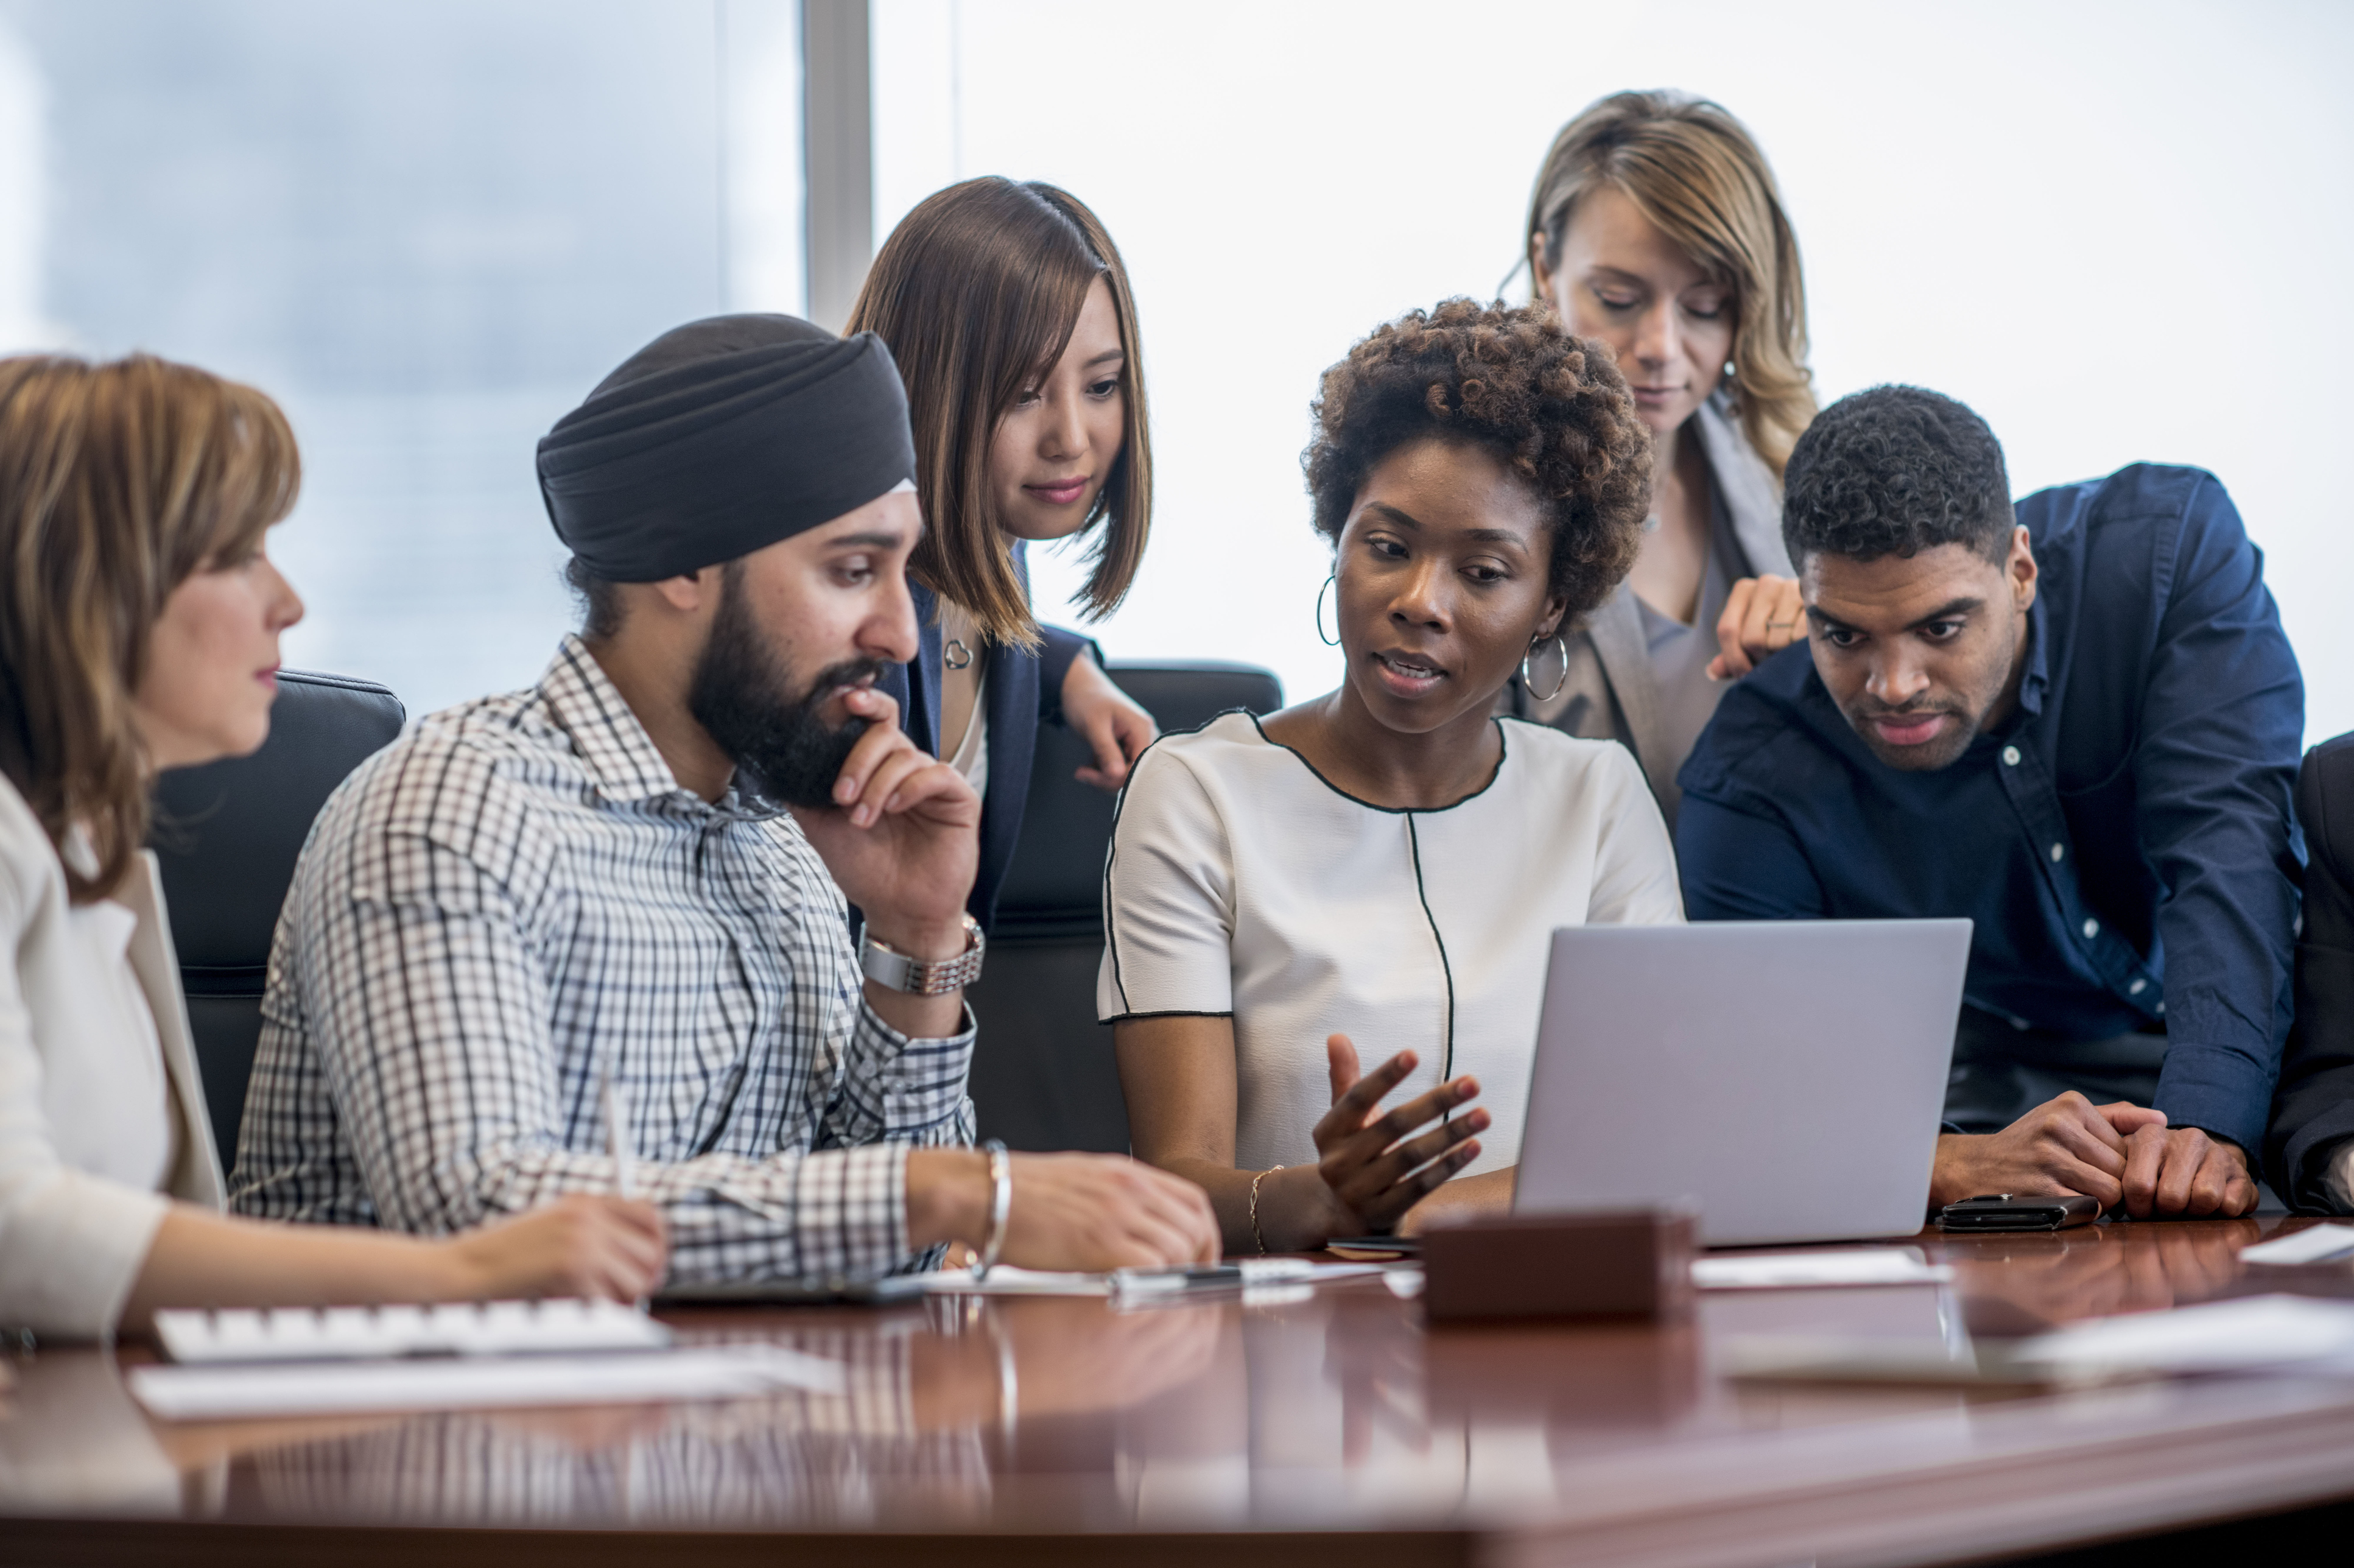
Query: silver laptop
[{"x": 1784, "y": 1077}]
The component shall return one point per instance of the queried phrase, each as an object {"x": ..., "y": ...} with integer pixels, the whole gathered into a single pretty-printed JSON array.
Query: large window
[
  {"x": 2117, "y": 229},
  {"x": 428, "y": 229}
]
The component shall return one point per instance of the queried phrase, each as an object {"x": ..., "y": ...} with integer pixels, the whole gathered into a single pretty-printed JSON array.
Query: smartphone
[
  {"x": 1370, "y": 1249},
  {"x": 2002, "y": 1212}
]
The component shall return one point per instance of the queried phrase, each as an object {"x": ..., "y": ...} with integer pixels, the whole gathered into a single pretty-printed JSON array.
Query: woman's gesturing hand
[{"x": 1375, "y": 1165}]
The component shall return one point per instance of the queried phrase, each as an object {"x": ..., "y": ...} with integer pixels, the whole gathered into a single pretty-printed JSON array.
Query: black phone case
[{"x": 2008, "y": 1213}]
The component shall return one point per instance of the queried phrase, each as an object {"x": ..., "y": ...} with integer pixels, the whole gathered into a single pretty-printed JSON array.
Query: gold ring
[{"x": 1779, "y": 625}]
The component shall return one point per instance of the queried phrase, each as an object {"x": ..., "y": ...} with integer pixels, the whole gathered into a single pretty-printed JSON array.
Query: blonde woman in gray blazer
[
  {"x": 1656, "y": 228},
  {"x": 139, "y": 626}
]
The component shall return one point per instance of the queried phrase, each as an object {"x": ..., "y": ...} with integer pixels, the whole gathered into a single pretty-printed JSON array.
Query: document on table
[
  {"x": 225, "y": 1393},
  {"x": 2315, "y": 1244},
  {"x": 2250, "y": 1334},
  {"x": 1805, "y": 1270}
]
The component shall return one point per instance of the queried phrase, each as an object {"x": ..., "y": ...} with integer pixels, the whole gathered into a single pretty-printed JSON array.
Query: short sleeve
[
  {"x": 1635, "y": 866},
  {"x": 1169, "y": 897}
]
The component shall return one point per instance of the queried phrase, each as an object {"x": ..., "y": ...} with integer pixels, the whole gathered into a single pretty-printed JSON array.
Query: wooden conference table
[{"x": 1323, "y": 1426}]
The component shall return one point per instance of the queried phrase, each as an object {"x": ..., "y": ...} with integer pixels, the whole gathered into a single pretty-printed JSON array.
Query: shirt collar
[
  {"x": 622, "y": 761},
  {"x": 2038, "y": 678}
]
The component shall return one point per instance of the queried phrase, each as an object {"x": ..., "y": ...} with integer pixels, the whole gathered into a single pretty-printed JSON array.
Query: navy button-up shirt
[{"x": 2124, "y": 841}]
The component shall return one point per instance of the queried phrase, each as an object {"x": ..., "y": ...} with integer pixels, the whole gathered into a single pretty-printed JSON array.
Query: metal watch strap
[{"x": 885, "y": 965}]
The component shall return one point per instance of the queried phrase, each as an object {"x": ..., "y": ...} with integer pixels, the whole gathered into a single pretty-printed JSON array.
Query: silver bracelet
[
  {"x": 1257, "y": 1235},
  {"x": 1001, "y": 1204}
]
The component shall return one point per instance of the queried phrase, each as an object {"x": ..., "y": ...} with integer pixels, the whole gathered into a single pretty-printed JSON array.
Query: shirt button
[
  {"x": 2161, "y": 1007},
  {"x": 2137, "y": 987},
  {"x": 2058, "y": 851},
  {"x": 2092, "y": 929},
  {"x": 2010, "y": 756}
]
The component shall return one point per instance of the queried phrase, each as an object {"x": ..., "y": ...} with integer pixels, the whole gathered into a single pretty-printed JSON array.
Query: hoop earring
[
  {"x": 1334, "y": 640},
  {"x": 1528, "y": 681}
]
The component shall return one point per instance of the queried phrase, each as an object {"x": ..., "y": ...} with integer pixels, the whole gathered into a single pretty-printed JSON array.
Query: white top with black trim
[
  {"x": 1241, "y": 883},
  {"x": 515, "y": 900}
]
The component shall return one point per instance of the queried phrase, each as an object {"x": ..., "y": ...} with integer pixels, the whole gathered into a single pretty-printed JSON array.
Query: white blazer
[{"x": 71, "y": 1237}]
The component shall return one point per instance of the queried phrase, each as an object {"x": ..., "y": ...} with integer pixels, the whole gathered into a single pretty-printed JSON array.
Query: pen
[
  {"x": 617, "y": 1139},
  {"x": 1211, "y": 1277}
]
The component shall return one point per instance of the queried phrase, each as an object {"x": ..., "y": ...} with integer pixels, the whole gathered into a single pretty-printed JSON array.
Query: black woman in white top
[{"x": 1381, "y": 868}]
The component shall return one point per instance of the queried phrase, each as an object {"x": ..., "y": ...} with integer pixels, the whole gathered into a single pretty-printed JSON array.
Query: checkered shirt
[{"x": 513, "y": 902}]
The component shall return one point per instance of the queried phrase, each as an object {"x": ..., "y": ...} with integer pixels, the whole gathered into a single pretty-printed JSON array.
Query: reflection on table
[{"x": 1333, "y": 1408}]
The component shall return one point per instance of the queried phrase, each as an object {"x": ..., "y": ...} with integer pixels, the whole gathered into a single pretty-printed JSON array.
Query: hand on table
[
  {"x": 1090, "y": 1213},
  {"x": 1115, "y": 729},
  {"x": 1373, "y": 1165},
  {"x": 1763, "y": 615},
  {"x": 2181, "y": 1172},
  {"x": 2065, "y": 1145}
]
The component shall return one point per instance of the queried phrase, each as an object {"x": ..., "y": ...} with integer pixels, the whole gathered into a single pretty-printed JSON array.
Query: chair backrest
[
  {"x": 228, "y": 835},
  {"x": 1043, "y": 1074}
]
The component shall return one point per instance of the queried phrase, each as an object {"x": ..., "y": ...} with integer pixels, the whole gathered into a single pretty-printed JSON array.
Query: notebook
[{"x": 382, "y": 1333}]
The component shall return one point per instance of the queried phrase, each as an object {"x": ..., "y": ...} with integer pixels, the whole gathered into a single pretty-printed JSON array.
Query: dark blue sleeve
[
  {"x": 1055, "y": 664},
  {"x": 2223, "y": 719},
  {"x": 1737, "y": 866}
]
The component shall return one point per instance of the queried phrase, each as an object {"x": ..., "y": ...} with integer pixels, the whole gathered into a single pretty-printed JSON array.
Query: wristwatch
[{"x": 886, "y": 965}]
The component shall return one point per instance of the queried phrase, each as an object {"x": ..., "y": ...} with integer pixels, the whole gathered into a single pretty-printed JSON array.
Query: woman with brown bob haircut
[
  {"x": 1008, "y": 310},
  {"x": 1381, "y": 869},
  {"x": 1655, "y": 227},
  {"x": 139, "y": 626}
]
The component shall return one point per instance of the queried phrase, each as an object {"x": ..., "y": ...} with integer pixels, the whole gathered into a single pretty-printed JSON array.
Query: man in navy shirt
[{"x": 2076, "y": 722}]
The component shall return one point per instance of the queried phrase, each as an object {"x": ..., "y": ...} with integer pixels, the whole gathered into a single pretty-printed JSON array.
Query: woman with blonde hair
[
  {"x": 1655, "y": 227},
  {"x": 1007, "y": 308},
  {"x": 139, "y": 626}
]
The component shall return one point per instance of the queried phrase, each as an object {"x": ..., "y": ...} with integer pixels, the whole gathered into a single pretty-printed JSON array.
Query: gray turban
[{"x": 721, "y": 437}]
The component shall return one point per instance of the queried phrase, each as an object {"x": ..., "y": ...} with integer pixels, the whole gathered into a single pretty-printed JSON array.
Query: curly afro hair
[
  {"x": 1551, "y": 405},
  {"x": 1894, "y": 470}
]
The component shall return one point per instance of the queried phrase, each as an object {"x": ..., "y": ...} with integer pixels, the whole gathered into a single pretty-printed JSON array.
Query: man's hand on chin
[
  {"x": 903, "y": 837},
  {"x": 2065, "y": 1145}
]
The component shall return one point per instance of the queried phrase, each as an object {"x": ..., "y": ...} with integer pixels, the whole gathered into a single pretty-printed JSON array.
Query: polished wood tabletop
[{"x": 1293, "y": 1425}]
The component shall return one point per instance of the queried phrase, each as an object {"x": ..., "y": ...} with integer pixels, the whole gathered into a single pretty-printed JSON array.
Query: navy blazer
[{"x": 1025, "y": 690}]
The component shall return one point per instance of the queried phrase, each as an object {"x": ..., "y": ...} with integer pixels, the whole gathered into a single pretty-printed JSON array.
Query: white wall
[{"x": 2119, "y": 231}]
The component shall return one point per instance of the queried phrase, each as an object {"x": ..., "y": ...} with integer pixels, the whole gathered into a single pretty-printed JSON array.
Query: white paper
[
  {"x": 2249, "y": 1333},
  {"x": 1805, "y": 1270},
  {"x": 2317, "y": 1244},
  {"x": 1004, "y": 1279},
  {"x": 237, "y": 1392},
  {"x": 375, "y": 1333},
  {"x": 1256, "y": 1273}
]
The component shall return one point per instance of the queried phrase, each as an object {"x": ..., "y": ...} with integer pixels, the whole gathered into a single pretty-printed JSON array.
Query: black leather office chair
[
  {"x": 1043, "y": 1074},
  {"x": 228, "y": 835}
]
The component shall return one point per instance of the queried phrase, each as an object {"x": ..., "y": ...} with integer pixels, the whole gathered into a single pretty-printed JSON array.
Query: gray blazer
[{"x": 1609, "y": 694}]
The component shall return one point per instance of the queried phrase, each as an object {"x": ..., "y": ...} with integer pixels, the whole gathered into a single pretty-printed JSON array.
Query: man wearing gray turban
[{"x": 588, "y": 936}]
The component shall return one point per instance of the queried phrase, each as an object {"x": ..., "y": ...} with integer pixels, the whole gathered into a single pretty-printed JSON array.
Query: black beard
[{"x": 739, "y": 697}]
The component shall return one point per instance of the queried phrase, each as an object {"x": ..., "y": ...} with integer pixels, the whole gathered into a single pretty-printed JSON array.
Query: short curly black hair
[
  {"x": 1510, "y": 379},
  {"x": 1894, "y": 470}
]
